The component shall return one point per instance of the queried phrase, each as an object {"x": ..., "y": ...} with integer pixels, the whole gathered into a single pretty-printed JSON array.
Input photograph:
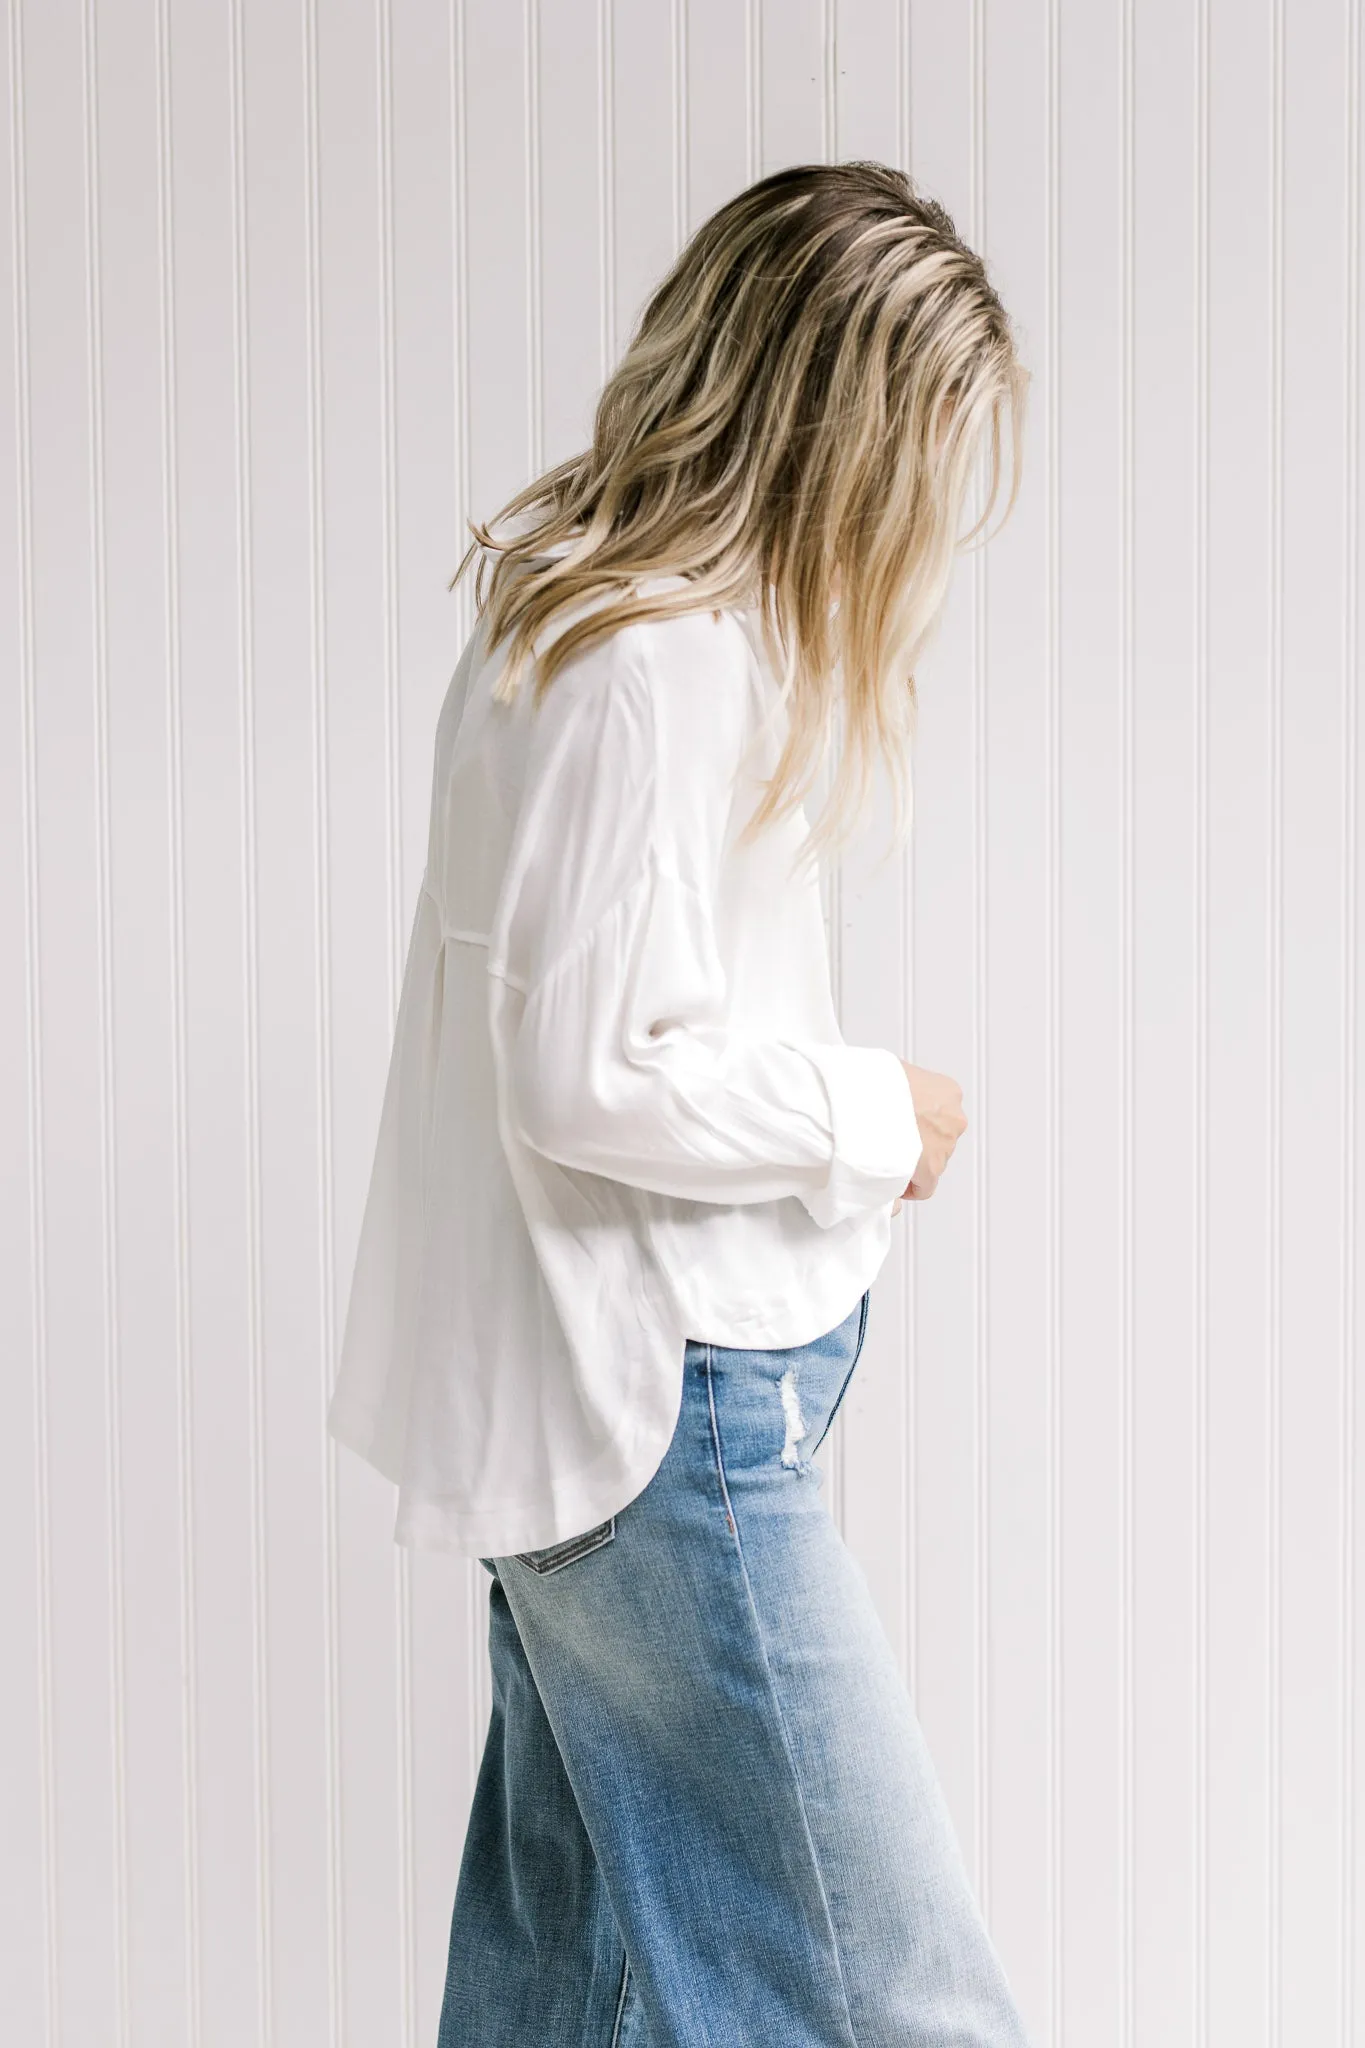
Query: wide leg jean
[{"x": 706, "y": 1816}]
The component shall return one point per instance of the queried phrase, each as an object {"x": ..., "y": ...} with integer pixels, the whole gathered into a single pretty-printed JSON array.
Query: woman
[{"x": 632, "y": 1187}]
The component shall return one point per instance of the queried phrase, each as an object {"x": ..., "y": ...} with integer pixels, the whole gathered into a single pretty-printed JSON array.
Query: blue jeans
[{"x": 705, "y": 1812}]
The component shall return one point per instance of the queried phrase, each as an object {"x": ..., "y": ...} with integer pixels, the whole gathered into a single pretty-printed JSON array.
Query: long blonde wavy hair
[{"x": 799, "y": 412}]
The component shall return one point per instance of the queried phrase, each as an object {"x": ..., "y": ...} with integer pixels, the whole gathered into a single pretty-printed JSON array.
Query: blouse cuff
[{"x": 877, "y": 1143}]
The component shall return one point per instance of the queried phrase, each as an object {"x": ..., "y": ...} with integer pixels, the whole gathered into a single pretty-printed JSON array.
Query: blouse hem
[
  {"x": 586, "y": 1498},
  {"x": 440, "y": 1526}
]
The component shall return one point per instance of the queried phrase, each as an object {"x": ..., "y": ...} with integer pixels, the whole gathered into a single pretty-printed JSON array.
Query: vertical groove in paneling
[
  {"x": 1127, "y": 1026},
  {"x": 902, "y": 60},
  {"x": 535, "y": 325},
  {"x": 37, "y": 1190},
  {"x": 407, "y": 1876},
  {"x": 681, "y": 142},
  {"x": 322, "y": 1027},
  {"x": 1200, "y": 1334},
  {"x": 1275, "y": 1018},
  {"x": 246, "y": 654},
  {"x": 829, "y": 111},
  {"x": 753, "y": 100},
  {"x": 113, "y": 1400},
  {"x": 175, "y": 853},
  {"x": 1052, "y": 1016},
  {"x": 1350, "y": 806},
  {"x": 459, "y": 215},
  {"x": 981, "y": 1333},
  {"x": 606, "y": 182},
  {"x": 477, "y": 1674}
]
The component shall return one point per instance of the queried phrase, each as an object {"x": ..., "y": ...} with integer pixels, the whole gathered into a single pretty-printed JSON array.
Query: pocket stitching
[{"x": 555, "y": 1556}]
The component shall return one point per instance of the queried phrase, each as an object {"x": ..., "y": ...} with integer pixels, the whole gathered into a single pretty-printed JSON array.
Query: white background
[{"x": 296, "y": 285}]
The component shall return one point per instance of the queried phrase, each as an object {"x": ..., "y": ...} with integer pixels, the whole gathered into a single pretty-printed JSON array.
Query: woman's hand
[{"x": 938, "y": 1112}]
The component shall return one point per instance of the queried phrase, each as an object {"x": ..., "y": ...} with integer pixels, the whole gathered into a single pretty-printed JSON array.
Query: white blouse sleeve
[{"x": 624, "y": 1063}]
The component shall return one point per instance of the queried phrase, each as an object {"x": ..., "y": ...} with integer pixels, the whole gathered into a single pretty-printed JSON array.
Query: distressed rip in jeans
[{"x": 706, "y": 1816}]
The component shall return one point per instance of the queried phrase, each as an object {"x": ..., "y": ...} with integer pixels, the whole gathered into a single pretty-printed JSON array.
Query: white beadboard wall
[{"x": 294, "y": 286}]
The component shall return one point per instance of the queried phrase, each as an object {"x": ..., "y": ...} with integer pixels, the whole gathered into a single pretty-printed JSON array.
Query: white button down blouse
[{"x": 619, "y": 1110}]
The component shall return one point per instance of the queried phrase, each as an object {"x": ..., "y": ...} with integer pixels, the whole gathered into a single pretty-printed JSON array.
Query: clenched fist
[{"x": 938, "y": 1112}]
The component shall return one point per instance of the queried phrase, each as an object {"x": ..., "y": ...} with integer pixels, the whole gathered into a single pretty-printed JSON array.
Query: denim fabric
[{"x": 705, "y": 1812}]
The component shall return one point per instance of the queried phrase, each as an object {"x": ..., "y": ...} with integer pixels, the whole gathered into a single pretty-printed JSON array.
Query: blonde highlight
[{"x": 801, "y": 408}]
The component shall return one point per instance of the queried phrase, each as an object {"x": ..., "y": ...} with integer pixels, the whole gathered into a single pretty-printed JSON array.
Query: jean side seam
[
  {"x": 715, "y": 1445},
  {"x": 853, "y": 1367},
  {"x": 620, "y": 2004}
]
